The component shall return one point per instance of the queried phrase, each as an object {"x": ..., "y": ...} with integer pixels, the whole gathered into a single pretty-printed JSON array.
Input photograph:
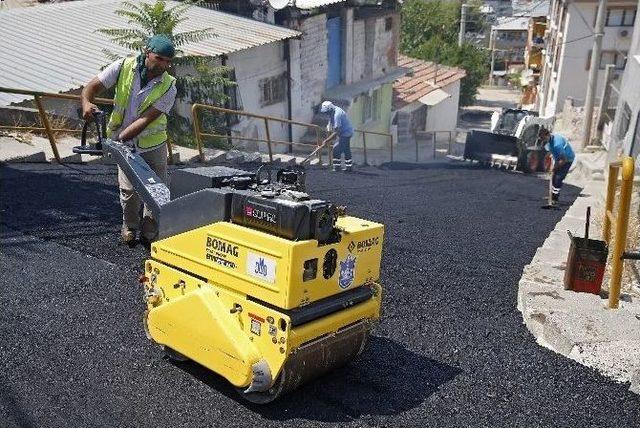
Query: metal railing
[
  {"x": 364, "y": 143},
  {"x": 621, "y": 222},
  {"x": 44, "y": 118},
  {"x": 198, "y": 132},
  {"x": 434, "y": 142},
  {"x": 316, "y": 149}
]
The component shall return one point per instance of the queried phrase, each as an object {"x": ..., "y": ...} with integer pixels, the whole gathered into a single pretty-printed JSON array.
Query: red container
[{"x": 585, "y": 265}]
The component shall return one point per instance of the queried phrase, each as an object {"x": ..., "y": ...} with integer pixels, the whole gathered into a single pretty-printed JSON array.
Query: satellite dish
[{"x": 278, "y": 4}]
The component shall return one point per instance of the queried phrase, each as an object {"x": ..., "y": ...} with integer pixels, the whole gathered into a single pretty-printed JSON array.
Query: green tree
[
  {"x": 430, "y": 32},
  {"x": 209, "y": 82}
]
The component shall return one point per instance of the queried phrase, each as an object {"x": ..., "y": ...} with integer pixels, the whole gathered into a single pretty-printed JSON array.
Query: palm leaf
[{"x": 193, "y": 36}]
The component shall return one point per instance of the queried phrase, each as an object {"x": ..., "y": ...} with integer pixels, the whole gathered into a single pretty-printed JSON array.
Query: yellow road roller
[
  {"x": 251, "y": 277},
  {"x": 280, "y": 290}
]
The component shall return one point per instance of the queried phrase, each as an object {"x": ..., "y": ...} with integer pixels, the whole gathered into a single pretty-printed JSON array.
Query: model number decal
[
  {"x": 220, "y": 252},
  {"x": 261, "y": 267}
]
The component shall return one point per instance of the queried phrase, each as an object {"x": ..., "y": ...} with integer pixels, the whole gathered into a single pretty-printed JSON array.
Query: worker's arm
[
  {"x": 89, "y": 92},
  {"x": 139, "y": 124}
]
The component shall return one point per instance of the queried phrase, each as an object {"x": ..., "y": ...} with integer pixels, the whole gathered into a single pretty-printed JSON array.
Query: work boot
[
  {"x": 146, "y": 242},
  {"x": 128, "y": 236}
]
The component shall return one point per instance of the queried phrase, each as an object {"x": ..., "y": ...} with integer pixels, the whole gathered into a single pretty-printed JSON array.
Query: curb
[{"x": 578, "y": 325}]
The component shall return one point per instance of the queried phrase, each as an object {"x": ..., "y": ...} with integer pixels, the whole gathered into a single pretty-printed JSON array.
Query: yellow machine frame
[{"x": 222, "y": 296}]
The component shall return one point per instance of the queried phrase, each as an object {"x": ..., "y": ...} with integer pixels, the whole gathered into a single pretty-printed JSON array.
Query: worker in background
[
  {"x": 144, "y": 95},
  {"x": 340, "y": 124},
  {"x": 563, "y": 157}
]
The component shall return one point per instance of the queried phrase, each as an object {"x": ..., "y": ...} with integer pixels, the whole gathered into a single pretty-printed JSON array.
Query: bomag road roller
[{"x": 250, "y": 276}]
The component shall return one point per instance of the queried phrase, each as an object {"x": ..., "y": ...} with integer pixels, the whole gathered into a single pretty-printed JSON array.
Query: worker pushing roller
[
  {"x": 250, "y": 276},
  {"x": 144, "y": 95}
]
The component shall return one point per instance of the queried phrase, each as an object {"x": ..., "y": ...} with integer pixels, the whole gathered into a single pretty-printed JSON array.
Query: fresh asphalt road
[{"x": 450, "y": 350}]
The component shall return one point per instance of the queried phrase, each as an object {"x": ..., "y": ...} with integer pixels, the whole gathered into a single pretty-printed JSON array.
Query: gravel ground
[{"x": 451, "y": 349}]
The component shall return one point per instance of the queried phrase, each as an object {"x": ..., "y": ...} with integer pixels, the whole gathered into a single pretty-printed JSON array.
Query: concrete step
[{"x": 285, "y": 159}]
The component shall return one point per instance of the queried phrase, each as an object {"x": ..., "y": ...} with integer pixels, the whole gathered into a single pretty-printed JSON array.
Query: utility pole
[
  {"x": 492, "y": 43},
  {"x": 463, "y": 24},
  {"x": 604, "y": 100},
  {"x": 593, "y": 74}
]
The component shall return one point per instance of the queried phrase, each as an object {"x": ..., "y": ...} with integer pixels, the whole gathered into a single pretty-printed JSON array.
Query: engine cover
[{"x": 290, "y": 215}]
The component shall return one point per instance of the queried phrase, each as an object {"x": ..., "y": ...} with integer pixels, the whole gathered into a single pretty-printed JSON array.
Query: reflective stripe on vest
[{"x": 156, "y": 132}]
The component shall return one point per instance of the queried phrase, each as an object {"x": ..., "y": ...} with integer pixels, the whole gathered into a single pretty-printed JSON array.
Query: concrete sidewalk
[{"x": 579, "y": 325}]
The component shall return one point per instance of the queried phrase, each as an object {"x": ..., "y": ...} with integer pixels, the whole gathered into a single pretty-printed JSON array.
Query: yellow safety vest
[{"x": 156, "y": 132}]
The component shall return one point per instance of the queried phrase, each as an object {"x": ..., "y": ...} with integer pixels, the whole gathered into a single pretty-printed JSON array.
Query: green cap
[{"x": 161, "y": 45}]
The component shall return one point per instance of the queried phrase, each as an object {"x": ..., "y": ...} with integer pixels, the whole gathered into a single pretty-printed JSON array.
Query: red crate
[{"x": 585, "y": 265}]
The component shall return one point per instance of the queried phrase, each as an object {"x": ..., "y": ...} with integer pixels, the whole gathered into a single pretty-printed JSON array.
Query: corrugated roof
[
  {"x": 411, "y": 88},
  {"x": 55, "y": 48},
  {"x": 531, "y": 8},
  {"x": 312, "y": 4},
  {"x": 511, "y": 24}
]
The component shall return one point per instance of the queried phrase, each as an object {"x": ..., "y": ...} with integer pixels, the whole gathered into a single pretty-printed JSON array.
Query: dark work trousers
[
  {"x": 556, "y": 180},
  {"x": 342, "y": 146}
]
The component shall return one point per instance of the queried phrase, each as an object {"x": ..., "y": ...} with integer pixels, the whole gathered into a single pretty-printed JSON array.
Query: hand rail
[
  {"x": 434, "y": 142},
  {"x": 38, "y": 95},
  {"x": 198, "y": 132},
  {"x": 364, "y": 142},
  {"x": 621, "y": 222}
]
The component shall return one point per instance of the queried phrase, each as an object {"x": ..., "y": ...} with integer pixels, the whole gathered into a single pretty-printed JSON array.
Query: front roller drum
[{"x": 315, "y": 358}]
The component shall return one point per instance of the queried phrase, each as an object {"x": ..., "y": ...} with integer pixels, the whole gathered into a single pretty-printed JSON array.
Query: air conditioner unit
[{"x": 624, "y": 33}]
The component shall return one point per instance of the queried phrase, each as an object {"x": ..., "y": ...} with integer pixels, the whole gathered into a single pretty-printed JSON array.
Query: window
[
  {"x": 613, "y": 57},
  {"x": 635, "y": 143},
  {"x": 366, "y": 108},
  {"x": 623, "y": 124},
  {"x": 388, "y": 24},
  {"x": 272, "y": 90},
  {"x": 233, "y": 102},
  {"x": 618, "y": 58},
  {"x": 370, "y": 107},
  {"x": 620, "y": 17}
]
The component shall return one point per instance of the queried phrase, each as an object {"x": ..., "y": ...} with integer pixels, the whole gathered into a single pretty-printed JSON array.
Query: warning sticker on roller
[
  {"x": 256, "y": 326},
  {"x": 261, "y": 267}
]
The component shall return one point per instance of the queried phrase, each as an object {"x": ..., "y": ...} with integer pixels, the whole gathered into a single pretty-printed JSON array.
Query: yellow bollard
[{"x": 622, "y": 224}]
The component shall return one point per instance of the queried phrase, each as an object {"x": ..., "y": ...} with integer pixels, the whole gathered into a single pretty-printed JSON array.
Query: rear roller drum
[{"x": 314, "y": 359}]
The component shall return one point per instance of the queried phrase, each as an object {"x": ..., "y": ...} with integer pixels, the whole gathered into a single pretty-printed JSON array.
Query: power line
[
  {"x": 584, "y": 20},
  {"x": 576, "y": 40}
]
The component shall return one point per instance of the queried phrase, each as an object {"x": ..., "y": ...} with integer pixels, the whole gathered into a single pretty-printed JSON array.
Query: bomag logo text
[
  {"x": 366, "y": 244},
  {"x": 222, "y": 246}
]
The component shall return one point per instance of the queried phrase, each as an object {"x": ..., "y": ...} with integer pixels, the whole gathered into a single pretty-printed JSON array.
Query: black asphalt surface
[{"x": 451, "y": 349}]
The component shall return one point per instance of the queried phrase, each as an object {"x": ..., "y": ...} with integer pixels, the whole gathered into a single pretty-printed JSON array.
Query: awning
[
  {"x": 347, "y": 93},
  {"x": 434, "y": 97}
]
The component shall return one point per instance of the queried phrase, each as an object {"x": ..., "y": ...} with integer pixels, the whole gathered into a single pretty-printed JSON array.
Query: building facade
[
  {"x": 568, "y": 46},
  {"x": 426, "y": 100},
  {"x": 347, "y": 53},
  {"x": 624, "y": 138}
]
